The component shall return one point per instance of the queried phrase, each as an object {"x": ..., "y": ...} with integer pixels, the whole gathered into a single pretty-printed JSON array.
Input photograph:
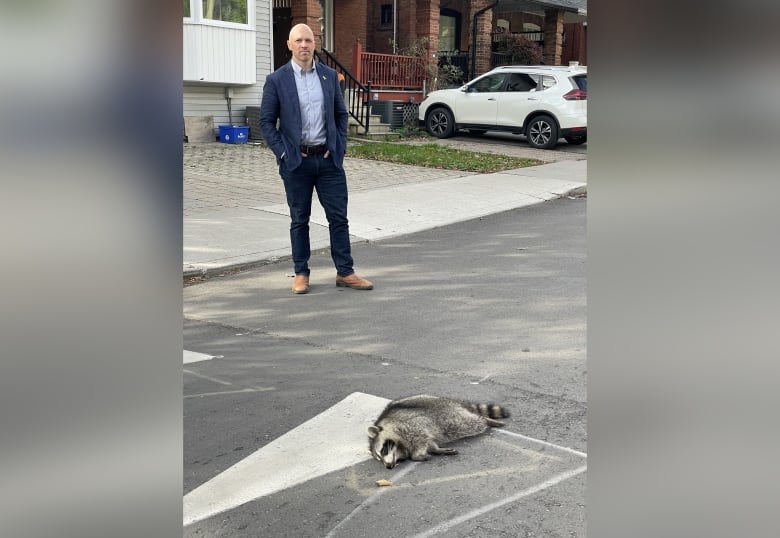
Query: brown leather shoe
[
  {"x": 300, "y": 284},
  {"x": 354, "y": 281}
]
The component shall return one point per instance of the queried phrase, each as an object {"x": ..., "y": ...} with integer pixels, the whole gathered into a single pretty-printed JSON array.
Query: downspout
[
  {"x": 395, "y": 25},
  {"x": 229, "y": 99},
  {"x": 474, "y": 37}
]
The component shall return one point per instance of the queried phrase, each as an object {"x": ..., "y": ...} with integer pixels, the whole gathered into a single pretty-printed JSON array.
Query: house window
[
  {"x": 447, "y": 33},
  {"x": 449, "y": 30},
  {"x": 326, "y": 24},
  {"x": 386, "y": 15},
  {"x": 226, "y": 10},
  {"x": 224, "y": 13}
]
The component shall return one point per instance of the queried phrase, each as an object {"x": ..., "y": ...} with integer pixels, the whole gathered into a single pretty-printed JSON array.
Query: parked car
[{"x": 544, "y": 103}]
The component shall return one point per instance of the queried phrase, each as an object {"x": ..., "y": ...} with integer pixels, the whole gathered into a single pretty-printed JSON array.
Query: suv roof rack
[{"x": 541, "y": 67}]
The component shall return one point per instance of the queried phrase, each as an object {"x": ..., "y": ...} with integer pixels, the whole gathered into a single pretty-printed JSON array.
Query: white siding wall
[
  {"x": 217, "y": 54},
  {"x": 202, "y": 99}
]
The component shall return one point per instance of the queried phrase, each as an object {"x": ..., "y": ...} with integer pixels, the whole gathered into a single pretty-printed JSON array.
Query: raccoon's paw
[{"x": 444, "y": 451}]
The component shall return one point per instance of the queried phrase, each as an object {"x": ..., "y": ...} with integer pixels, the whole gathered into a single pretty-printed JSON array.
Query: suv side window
[
  {"x": 520, "y": 82},
  {"x": 548, "y": 81},
  {"x": 490, "y": 83}
]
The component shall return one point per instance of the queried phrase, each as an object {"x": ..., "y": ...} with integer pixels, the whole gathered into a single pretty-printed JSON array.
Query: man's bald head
[
  {"x": 301, "y": 44},
  {"x": 300, "y": 28}
]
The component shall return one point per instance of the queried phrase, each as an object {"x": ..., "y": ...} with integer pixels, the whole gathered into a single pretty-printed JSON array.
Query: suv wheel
[
  {"x": 542, "y": 132},
  {"x": 440, "y": 123}
]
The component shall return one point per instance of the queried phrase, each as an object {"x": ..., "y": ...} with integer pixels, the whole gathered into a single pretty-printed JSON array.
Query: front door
[
  {"x": 479, "y": 104},
  {"x": 518, "y": 100},
  {"x": 282, "y": 26}
]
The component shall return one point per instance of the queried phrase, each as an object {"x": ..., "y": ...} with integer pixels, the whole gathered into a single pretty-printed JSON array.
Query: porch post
[
  {"x": 308, "y": 12},
  {"x": 428, "y": 26},
  {"x": 357, "y": 58},
  {"x": 553, "y": 36},
  {"x": 350, "y": 19},
  {"x": 407, "y": 23},
  {"x": 481, "y": 36}
]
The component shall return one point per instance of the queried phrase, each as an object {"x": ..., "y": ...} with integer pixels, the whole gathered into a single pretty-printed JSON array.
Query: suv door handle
[
  {"x": 491, "y": 98},
  {"x": 533, "y": 98}
]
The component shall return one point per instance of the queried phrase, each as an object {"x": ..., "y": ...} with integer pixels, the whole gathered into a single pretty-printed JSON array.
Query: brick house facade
[{"x": 417, "y": 22}]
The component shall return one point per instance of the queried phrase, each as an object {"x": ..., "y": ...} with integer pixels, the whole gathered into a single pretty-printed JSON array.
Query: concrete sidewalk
[{"x": 235, "y": 212}]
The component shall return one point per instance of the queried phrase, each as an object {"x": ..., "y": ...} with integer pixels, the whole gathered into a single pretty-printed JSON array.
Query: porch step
[{"x": 377, "y": 129}]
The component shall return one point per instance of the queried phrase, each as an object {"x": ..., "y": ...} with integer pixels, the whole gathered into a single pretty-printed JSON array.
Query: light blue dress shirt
[{"x": 312, "y": 105}]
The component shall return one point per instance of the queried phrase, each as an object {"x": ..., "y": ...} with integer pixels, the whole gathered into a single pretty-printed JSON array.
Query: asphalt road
[{"x": 490, "y": 309}]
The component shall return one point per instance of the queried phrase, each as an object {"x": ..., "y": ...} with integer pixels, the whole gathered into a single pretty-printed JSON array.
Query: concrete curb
[{"x": 320, "y": 240}]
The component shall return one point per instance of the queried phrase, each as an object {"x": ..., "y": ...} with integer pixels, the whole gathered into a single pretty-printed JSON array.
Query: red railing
[{"x": 389, "y": 71}]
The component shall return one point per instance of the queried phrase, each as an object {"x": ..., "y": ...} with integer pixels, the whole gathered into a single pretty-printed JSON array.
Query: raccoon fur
[{"x": 415, "y": 427}]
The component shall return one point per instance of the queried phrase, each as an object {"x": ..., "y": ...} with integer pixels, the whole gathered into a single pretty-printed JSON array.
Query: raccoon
[{"x": 414, "y": 427}]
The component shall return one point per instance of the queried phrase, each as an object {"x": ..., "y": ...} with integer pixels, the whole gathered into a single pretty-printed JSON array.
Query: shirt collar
[{"x": 299, "y": 71}]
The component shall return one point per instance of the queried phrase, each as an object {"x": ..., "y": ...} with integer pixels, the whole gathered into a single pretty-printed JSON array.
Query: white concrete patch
[
  {"x": 191, "y": 356},
  {"x": 567, "y": 170},
  {"x": 229, "y": 237},
  {"x": 415, "y": 207},
  {"x": 333, "y": 440}
]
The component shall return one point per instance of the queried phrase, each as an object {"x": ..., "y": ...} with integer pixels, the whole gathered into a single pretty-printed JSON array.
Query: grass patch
[{"x": 435, "y": 156}]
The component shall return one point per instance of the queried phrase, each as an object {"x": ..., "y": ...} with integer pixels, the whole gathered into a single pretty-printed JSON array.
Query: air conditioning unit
[{"x": 253, "y": 120}]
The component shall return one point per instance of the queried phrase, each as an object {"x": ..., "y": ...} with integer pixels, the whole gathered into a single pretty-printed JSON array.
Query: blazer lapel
[
  {"x": 326, "y": 87},
  {"x": 291, "y": 88}
]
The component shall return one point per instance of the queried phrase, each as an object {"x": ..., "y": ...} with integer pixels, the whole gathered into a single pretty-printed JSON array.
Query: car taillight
[{"x": 576, "y": 95}]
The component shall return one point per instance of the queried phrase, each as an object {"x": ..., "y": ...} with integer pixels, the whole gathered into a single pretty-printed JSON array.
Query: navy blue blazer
[{"x": 280, "y": 101}]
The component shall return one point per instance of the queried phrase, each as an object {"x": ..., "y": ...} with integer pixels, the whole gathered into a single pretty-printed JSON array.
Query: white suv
[{"x": 544, "y": 103}]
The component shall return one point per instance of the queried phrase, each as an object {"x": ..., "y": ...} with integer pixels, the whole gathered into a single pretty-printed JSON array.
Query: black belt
[{"x": 314, "y": 150}]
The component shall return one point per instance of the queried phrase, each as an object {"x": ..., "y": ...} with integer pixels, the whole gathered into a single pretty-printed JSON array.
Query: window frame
[
  {"x": 544, "y": 81},
  {"x": 196, "y": 16},
  {"x": 457, "y": 15},
  {"x": 382, "y": 8}
]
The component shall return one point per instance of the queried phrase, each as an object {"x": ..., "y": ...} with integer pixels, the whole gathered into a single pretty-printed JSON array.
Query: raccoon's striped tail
[{"x": 489, "y": 410}]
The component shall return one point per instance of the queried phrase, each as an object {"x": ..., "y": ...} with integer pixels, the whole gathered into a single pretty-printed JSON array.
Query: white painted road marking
[
  {"x": 191, "y": 356},
  {"x": 446, "y": 525},
  {"x": 337, "y": 435},
  {"x": 373, "y": 498},
  {"x": 533, "y": 462},
  {"x": 208, "y": 378},
  {"x": 222, "y": 393},
  {"x": 545, "y": 443}
]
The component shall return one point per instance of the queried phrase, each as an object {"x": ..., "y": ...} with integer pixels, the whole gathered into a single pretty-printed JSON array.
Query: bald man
[{"x": 304, "y": 99}]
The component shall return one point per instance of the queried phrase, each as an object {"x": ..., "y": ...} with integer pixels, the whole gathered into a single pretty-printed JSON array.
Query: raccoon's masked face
[{"x": 384, "y": 448}]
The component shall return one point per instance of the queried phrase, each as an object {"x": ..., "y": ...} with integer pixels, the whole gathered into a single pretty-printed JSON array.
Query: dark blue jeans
[{"x": 317, "y": 172}]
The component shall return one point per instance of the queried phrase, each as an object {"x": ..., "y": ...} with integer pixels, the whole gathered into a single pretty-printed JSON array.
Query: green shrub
[{"x": 523, "y": 51}]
